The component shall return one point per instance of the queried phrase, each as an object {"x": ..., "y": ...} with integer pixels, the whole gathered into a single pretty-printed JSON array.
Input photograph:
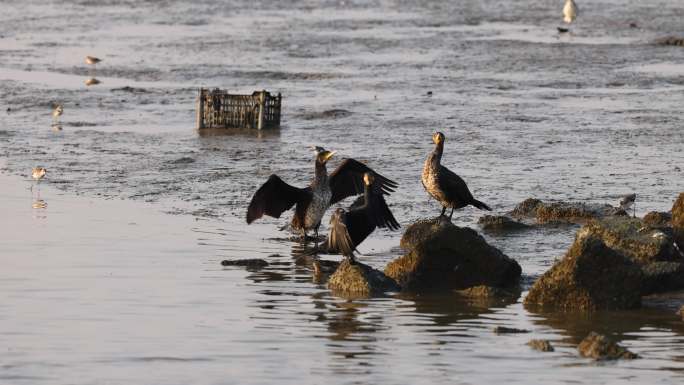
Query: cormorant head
[
  {"x": 438, "y": 137},
  {"x": 368, "y": 178},
  {"x": 322, "y": 155}
]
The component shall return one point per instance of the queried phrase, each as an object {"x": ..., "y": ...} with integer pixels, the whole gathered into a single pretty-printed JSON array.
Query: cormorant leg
[
  {"x": 443, "y": 211},
  {"x": 316, "y": 234},
  {"x": 352, "y": 260},
  {"x": 634, "y": 212},
  {"x": 303, "y": 235},
  {"x": 452, "y": 213}
]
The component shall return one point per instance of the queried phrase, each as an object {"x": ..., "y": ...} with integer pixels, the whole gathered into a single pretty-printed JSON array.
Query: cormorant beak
[{"x": 326, "y": 155}]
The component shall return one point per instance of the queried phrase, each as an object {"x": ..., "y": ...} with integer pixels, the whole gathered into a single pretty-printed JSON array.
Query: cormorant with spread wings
[
  {"x": 275, "y": 196},
  {"x": 351, "y": 227}
]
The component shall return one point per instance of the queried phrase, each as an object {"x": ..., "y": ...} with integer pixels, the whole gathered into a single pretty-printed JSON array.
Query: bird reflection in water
[{"x": 92, "y": 81}]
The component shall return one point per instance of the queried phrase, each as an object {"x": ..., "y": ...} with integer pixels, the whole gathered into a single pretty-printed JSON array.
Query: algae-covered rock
[
  {"x": 489, "y": 292},
  {"x": 359, "y": 280},
  {"x": 658, "y": 219},
  {"x": 500, "y": 223},
  {"x": 507, "y": 330},
  {"x": 662, "y": 276},
  {"x": 442, "y": 255},
  {"x": 563, "y": 212},
  {"x": 670, "y": 40},
  {"x": 678, "y": 221},
  {"x": 591, "y": 276},
  {"x": 630, "y": 237},
  {"x": 541, "y": 345},
  {"x": 599, "y": 347},
  {"x": 249, "y": 263}
]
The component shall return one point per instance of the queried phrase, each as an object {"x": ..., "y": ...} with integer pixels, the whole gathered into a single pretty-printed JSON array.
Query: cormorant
[
  {"x": 349, "y": 228},
  {"x": 445, "y": 186},
  {"x": 275, "y": 196}
]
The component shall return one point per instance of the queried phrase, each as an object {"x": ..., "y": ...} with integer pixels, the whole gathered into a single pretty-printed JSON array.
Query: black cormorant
[
  {"x": 444, "y": 185},
  {"x": 275, "y": 196},
  {"x": 349, "y": 228}
]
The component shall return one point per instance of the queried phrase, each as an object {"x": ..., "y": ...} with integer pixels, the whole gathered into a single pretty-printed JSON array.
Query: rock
[
  {"x": 359, "y": 280},
  {"x": 591, "y": 276},
  {"x": 599, "y": 347},
  {"x": 662, "y": 276},
  {"x": 631, "y": 238},
  {"x": 251, "y": 263},
  {"x": 563, "y": 212},
  {"x": 541, "y": 345},
  {"x": 442, "y": 255},
  {"x": 507, "y": 330},
  {"x": 678, "y": 221},
  {"x": 658, "y": 219},
  {"x": 497, "y": 223},
  {"x": 670, "y": 40},
  {"x": 489, "y": 292}
]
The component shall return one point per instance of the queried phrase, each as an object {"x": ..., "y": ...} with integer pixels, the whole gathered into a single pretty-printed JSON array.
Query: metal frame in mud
[{"x": 219, "y": 109}]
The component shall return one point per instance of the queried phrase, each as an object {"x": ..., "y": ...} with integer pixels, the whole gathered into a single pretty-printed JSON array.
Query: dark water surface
[{"x": 587, "y": 116}]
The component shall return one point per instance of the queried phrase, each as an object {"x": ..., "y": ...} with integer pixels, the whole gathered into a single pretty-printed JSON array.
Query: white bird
[
  {"x": 570, "y": 11},
  {"x": 37, "y": 173},
  {"x": 57, "y": 111}
]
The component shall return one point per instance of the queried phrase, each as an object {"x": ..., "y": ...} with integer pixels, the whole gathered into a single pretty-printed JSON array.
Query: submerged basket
[{"x": 220, "y": 109}]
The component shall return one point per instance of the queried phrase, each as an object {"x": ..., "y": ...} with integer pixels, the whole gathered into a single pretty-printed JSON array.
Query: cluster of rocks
[
  {"x": 439, "y": 256},
  {"x": 614, "y": 261},
  {"x": 533, "y": 212}
]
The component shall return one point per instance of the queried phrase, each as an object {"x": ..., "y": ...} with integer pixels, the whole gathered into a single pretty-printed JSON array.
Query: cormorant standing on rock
[
  {"x": 445, "y": 186},
  {"x": 275, "y": 196},
  {"x": 349, "y": 228}
]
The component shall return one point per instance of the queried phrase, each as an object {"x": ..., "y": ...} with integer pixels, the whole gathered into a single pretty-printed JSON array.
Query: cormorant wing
[
  {"x": 376, "y": 210},
  {"x": 454, "y": 187},
  {"x": 339, "y": 238},
  {"x": 275, "y": 197},
  {"x": 347, "y": 180},
  {"x": 380, "y": 212}
]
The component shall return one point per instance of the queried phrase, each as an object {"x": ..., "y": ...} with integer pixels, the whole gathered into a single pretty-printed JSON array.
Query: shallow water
[{"x": 527, "y": 112}]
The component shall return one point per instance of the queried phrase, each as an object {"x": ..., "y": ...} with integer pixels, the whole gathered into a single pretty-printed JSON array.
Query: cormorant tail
[{"x": 480, "y": 205}]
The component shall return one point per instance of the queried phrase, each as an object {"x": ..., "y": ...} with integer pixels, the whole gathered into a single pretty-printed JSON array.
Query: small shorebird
[
  {"x": 38, "y": 173},
  {"x": 92, "y": 60},
  {"x": 57, "y": 111},
  {"x": 628, "y": 201},
  {"x": 570, "y": 11}
]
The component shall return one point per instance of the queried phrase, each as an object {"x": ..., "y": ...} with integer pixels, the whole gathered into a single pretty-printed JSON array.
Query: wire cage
[{"x": 219, "y": 109}]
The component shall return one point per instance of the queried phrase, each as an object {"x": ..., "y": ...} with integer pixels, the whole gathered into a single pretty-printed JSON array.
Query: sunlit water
[{"x": 133, "y": 292}]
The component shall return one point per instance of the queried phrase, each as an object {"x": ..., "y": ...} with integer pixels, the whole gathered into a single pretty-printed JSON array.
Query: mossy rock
[
  {"x": 678, "y": 221},
  {"x": 359, "y": 280},
  {"x": 591, "y": 276},
  {"x": 500, "y": 223},
  {"x": 563, "y": 212},
  {"x": 600, "y": 347},
  {"x": 541, "y": 345},
  {"x": 444, "y": 256},
  {"x": 658, "y": 219}
]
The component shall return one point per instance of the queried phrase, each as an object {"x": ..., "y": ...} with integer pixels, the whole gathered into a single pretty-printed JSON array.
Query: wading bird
[
  {"x": 275, "y": 196},
  {"x": 38, "y": 173},
  {"x": 57, "y": 111},
  {"x": 351, "y": 227},
  {"x": 92, "y": 60},
  {"x": 570, "y": 11},
  {"x": 628, "y": 201},
  {"x": 445, "y": 186}
]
